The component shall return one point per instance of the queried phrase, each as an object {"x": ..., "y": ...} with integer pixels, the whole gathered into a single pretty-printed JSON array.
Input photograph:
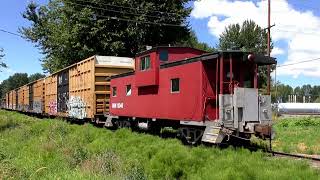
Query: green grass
[
  {"x": 31, "y": 148},
  {"x": 298, "y": 135}
]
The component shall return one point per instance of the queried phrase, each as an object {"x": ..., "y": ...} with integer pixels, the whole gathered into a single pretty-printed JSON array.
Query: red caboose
[{"x": 206, "y": 95}]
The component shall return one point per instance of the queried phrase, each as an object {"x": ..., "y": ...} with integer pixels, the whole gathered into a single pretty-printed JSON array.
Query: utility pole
[{"x": 269, "y": 39}]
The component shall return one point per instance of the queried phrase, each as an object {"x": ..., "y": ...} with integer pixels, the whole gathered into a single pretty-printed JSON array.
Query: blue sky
[
  {"x": 295, "y": 34},
  {"x": 207, "y": 20},
  {"x": 21, "y": 56}
]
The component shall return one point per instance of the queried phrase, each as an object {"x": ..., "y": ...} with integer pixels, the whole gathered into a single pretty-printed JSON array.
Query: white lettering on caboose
[{"x": 117, "y": 105}]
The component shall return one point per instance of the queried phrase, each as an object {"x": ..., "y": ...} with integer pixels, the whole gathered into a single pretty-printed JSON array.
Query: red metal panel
[
  {"x": 198, "y": 96},
  {"x": 180, "y": 53},
  {"x": 255, "y": 76},
  {"x": 221, "y": 74},
  {"x": 216, "y": 88},
  {"x": 151, "y": 77},
  {"x": 162, "y": 104},
  {"x": 210, "y": 93},
  {"x": 231, "y": 74},
  {"x": 148, "y": 77}
]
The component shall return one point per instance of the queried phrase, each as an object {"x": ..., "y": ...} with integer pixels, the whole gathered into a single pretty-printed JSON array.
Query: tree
[
  {"x": 315, "y": 94},
  {"x": 297, "y": 91},
  {"x": 247, "y": 37},
  {"x": 13, "y": 82},
  {"x": 17, "y": 80},
  {"x": 284, "y": 91},
  {"x": 36, "y": 76},
  {"x": 311, "y": 93},
  {"x": 2, "y": 64},
  {"x": 67, "y": 31}
]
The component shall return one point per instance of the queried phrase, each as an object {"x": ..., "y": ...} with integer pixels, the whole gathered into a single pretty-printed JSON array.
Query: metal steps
[
  {"x": 228, "y": 123},
  {"x": 213, "y": 134}
]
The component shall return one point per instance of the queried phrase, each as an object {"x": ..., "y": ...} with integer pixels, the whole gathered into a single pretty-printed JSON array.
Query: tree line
[
  {"x": 305, "y": 93},
  {"x": 17, "y": 80}
]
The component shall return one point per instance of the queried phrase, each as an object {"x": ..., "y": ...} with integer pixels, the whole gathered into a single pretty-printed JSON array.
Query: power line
[
  {"x": 118, "y": 6},
  {"x": 300, "y": 32},
  {"x": 138, "y": 21},
  {"x": 12, "y": 33},
  {"x": 125, "y": 19},
  {"x": 310, "y": 60},
  {"x": 293, "y": 26},
  {"x": 112, "y": 10}
]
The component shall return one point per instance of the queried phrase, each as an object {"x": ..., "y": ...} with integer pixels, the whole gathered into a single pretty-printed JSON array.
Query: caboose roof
[
  {"x": 259, "y": 58},
  {"x": 167, "y": 47}
]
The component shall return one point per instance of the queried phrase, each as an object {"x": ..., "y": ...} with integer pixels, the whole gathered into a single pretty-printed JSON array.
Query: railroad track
[
  {"x": 300, "y": 156},
  {"x": 315, "y": 161}
]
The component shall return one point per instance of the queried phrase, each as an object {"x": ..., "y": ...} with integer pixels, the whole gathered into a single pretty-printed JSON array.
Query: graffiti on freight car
[
  {"x": 20, "y": 107},
  {"x": 52, "y": 107},
  {"x": 37, "y": 106},
  {"x": 77, "y": 108}
]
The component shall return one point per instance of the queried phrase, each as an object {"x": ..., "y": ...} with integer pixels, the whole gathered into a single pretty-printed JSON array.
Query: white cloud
[
  {"x": 298, "y": 28},
  {"x": 277, "y": 51}
]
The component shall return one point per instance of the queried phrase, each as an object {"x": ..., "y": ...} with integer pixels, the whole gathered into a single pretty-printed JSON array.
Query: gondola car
[{"x": 207, "y": 96}]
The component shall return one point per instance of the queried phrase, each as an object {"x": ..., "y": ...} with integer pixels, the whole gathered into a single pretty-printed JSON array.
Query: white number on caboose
[{"x": 117, "y": 105}]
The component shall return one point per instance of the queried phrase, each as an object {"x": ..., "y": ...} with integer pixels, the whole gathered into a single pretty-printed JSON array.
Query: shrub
[{"x": 299, "y": 122}]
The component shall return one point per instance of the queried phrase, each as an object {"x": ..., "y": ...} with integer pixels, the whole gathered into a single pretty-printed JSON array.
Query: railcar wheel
[
  {"x": 126, "y": 124},
  {"x": 191, "y": 135},
  {"x": 155, "y": 130},
  {"x": 245, "y": 135},
  {"x": 122, "y": 124}
]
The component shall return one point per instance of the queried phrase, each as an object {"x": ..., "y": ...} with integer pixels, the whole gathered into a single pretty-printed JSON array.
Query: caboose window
[
  {"x": 128, "y": 90},
  {"x": 145, "y": 63},
  {"x": 175, "y": 85},
  {"x": 163, "y": 56},
  {"x": 114, "y": 91},
  {"x": 142, "y": 64}
]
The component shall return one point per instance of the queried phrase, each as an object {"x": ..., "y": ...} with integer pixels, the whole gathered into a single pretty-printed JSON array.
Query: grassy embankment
[
  {"x": 53, "y": 149},
  {"x": 298, "y": 135}
]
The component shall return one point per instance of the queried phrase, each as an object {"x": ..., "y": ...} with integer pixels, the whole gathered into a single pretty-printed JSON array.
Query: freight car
[
  {"x": 36, "y": 97},
  {"x": 207, "y": 96},
  {"x": 14, "y": 99},
  {"x": 10, "y": 105},
  {"x": 3, "y": 103},
  {"x": 79, "y": 91},
  {"x": 6, "y": 101}
]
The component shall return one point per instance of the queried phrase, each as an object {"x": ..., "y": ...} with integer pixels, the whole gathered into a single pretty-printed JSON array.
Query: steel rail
[{"x": 294, "y": 155}]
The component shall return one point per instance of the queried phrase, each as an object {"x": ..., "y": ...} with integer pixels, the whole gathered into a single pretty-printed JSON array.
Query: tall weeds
[{"x": 53, "y": 149}]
